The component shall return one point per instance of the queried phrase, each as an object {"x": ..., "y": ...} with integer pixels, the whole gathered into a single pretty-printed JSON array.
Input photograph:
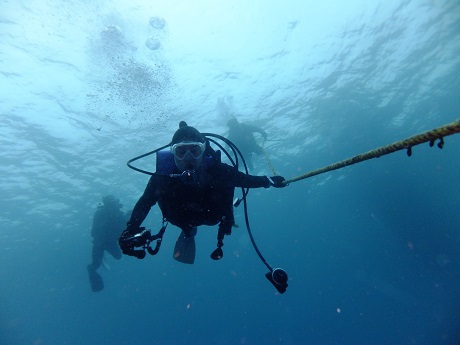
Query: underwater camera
[{"x": 278, "y": 277}]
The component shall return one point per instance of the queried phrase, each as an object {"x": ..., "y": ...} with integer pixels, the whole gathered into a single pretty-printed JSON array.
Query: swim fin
[
  {"x": 97, "y": 284},
  {"x": 184, "y": 250}
]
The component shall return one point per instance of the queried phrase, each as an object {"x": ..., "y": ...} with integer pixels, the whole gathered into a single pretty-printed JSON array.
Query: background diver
[
  {"x": 108, "y": 222},
  {"x": 242, "y": 135}
]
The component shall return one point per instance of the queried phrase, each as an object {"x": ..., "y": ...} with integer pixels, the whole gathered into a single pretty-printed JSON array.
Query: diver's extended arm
[
  {"x": 142, "y": 207},
  {"x": 255, "y": 129}
]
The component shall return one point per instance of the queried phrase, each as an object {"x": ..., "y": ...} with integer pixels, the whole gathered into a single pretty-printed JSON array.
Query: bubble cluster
[{"x": 128, "y": 84}]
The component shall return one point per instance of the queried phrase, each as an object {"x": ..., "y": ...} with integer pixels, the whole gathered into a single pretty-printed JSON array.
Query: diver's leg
[
  {"x": 184, "y": 250},
  {"x": 114, "y": 249},
  {"x": 258, "y": 150},
  {"x": 97, "y": 284},
  {"x": 97, "y": 254}
]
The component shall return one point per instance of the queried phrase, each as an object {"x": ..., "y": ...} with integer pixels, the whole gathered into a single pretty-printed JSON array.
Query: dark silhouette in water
[
  {"x": 108, "y": 222},
  {"x": 242, "y": 135}
]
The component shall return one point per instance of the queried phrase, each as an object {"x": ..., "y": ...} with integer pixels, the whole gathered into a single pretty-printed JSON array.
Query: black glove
[
  {"x": 128, "y": 242},
  {"x": 277, "y": 181}
]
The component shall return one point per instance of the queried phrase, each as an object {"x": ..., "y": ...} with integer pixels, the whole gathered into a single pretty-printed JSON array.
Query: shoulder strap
[{"x": 212, "y": 155}]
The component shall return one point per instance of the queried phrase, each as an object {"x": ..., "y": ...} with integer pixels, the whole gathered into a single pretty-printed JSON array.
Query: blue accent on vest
[{"x": 165, "y": 162}]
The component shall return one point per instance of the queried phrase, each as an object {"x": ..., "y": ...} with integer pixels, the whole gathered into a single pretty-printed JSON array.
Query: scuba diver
[
  {"x": 108, "y": 222},
  {"x": 192, "y": 188},
  {"x": 242, "y": 135}
]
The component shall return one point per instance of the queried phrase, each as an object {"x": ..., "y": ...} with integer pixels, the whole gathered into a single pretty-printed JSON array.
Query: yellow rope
[
  {"x": 269, "y": 163},
  {"x": 431, "y": 136}
]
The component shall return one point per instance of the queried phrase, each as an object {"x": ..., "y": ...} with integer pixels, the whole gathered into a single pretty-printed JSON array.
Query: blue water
[{"x": 372, "y": 250}]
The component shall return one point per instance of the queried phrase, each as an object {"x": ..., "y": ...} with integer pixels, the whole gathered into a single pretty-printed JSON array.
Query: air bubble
[
  {"x": 157, "y": 22},
  {"x": 152, "y": 43}
]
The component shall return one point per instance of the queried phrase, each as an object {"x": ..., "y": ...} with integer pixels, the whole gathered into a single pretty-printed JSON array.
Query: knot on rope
[
  {"x": 409, "y": 151},
  {"x": 440, "y": 144}
]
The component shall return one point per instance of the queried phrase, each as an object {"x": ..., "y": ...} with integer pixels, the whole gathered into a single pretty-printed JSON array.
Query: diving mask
[{"x": 192, "y": 148}]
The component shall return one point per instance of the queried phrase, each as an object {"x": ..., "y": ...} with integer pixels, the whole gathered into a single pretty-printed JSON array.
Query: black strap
[{"x": 158, "y": 237}]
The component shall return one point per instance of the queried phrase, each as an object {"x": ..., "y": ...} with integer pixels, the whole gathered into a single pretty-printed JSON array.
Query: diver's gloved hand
[
  {"x": 277, "y": 181},
  {"x": 128, "y": 242}
]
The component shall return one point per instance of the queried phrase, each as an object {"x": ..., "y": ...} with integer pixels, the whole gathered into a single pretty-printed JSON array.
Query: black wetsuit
[{"x": 208, "y": 201}]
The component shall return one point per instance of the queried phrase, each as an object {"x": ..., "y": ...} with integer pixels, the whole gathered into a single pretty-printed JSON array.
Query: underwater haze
[{"x": 372, "y": 250}]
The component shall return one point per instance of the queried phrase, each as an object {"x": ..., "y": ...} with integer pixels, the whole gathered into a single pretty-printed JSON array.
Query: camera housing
[{"x": 278, "y": 277}]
